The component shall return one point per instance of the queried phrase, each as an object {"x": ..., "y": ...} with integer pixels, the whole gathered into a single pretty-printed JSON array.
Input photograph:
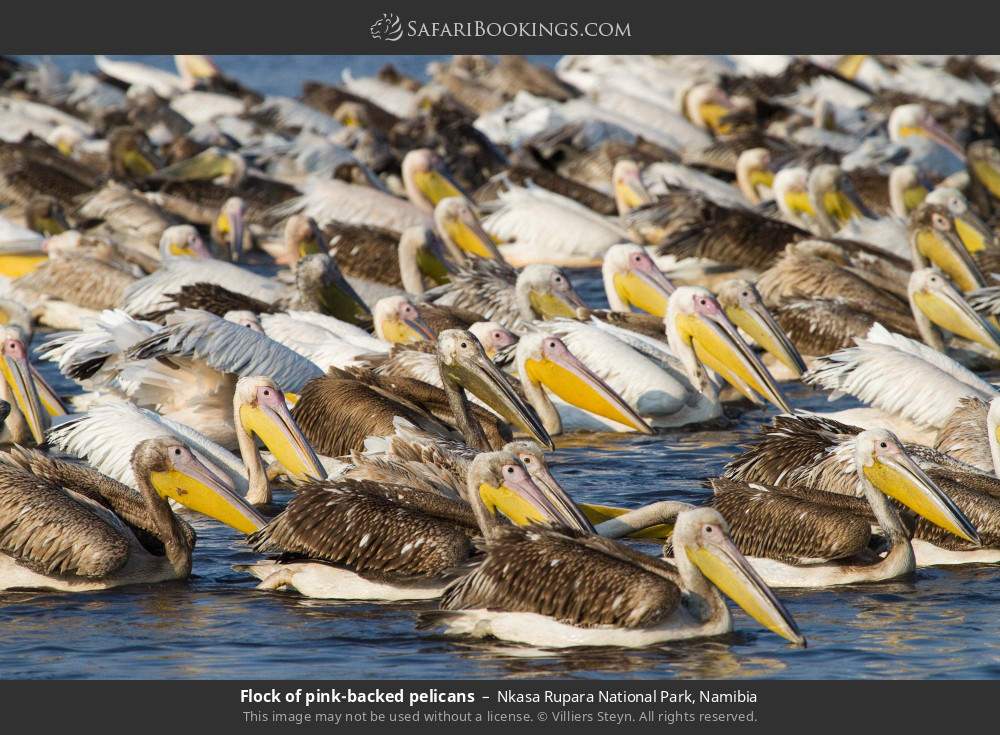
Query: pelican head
[
  {"x": 245, "y": 318},
  {"x": 933, "y": 297},
  {"x": 701, "y": 542},
  {"x": 195, "y": 68},
  {"x": 791, "y": 192},
  {"x": 45, "y": 214},
  {"x": 701, "y": 334},
  {"x": 182, "y": 241},
  {"x": 228, "y": 227},
  {"x": 754, "y": 175},
  {"x": 420, "y": 258},
  {"x": 260, "y": 408},
  {"x": 984, "y": 162},
  {"x": 20, "y": 386},
  {"x": 745, "y": 308},
  {"x": 935, "y": 240},
  {"x": 426, "y": 179},
  {"x": 131, "y": 153},
  {"x": 322, "y": 287},
  {"x": 65, "y": 138},
  {"x": 630, "y": 192},
  {"x": 706, "y": 105},
  {"x": 884, "y": 465},
  {"x": 532, "y": 456},
  {"x": 834, "y": 198},
  {"x": 493, "y": 336},
  {"x": 499, "y": 483},
  {"x": 397, "y": 320},
  {"x": 971, "y": 230},
  {"x": 907, "y": 121},
  {"x": 907, "y": 189},
  {"x": 461, "y": 230},
  {"x": 631, "y": 279},
  {"x": 302, "y": 237},
  {"x": 171, "y": 470},
  {"x": 545, "y": 291},
  {"x": 463, "y": 362},
  {"x": 545, "y": 360}
]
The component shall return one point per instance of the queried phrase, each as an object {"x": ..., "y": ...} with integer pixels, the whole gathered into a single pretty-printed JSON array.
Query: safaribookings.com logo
[{"x": 390, "y": 28}]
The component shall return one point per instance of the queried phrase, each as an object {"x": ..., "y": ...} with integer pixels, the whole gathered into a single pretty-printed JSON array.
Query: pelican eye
[
  {"x": 940, "y": 222},
  {"x": 526, "y": 459},
  {"x": 708, "y": 529},
  {"x": 746, "y": 294},
  {"x": 267, "y": 391},
  {"x": 510, "y": 470},
  {"x": 883, "y": 445},
  {"x": 637, "y": 258},
  {"x": 177, "y": 451},
  {"x": 552, "y": 345},
  {"x": 464, "y": 345}
]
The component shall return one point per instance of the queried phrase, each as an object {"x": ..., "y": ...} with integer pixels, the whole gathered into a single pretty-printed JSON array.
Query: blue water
[{"x": 939, "y": 623}]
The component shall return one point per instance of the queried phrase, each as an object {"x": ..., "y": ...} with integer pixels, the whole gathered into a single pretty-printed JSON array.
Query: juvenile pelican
[
  {"x": 69, "y": 528},
  {"x": 355, "y": 539},
  {"x": 560, "y": 589},
  {"x": 804, "y": 536}
]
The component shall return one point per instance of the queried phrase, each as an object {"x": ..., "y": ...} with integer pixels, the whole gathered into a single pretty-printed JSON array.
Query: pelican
[
  {"x": 809, "y": 537},
  {"x": 186, "y": 370},
  {"x": 106, "y": 435},
  {"x": 397, "y": 320},
  {"x": 559, "y": 589},
  {"x": 984, "y": 164},
  {"x": 938, "y": 307},
  {"x": 18, "y": 388},
  {"x": 427, "y": 181},
  {"x": 936, "y": 236},
  {"x": 632, "y": 280},
  {"x": 71, "y": 529},
  {"x": 338, "y": 411},
  {"x": 814, "y": 459},
  {"x": 969, "y": 434},
  {"x": 538, "y": 226},
  {"x": 461, "y": 231},
  {"x": 745, "y": 308},
  {"x": 352, "y": 539},
  {"x": 326, "y": 341}
]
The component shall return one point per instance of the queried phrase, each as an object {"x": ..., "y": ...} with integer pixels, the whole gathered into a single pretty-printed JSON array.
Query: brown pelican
[
  {"x": 806, "y": 536},
  {"x": 557, "y": 588},
  {"x": 338, "y": 411},
  {"x": 357, "y": 539},
  {"x": 813, "y": 457},
  {"x": 67, "y": 527}
]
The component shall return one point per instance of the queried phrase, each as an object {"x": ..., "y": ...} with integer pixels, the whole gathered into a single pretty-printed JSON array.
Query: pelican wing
[
  {"x": 106, "y": 435},
  {"x": 903, "y": 379},
  {"x": 46, "y": 529},
  {"x": 775, "y": 523},
  {"x": 80, "y": 355},
  {"x": 331, "y": 199},
  {"x": 153, "y": 292},
  {"x": 821, "y": 326},
  {"x": 550, "y": 224},
  {"x": 129, "y": 214},
  {"x": 228, "y": 348},
  {"x": 319, "y": 345},
  {"x": 582, "y": 581},
  {"x": 484, "y": 287},
  {"x": 379, "y": 531},
  {"x": 164, "y": 83},
  {"x": 964, "y": 434},
  {"x": 119, "y": 498}
]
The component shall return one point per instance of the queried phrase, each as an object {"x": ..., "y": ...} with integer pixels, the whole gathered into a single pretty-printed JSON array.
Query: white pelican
[
  {"x": 166, "y": 84},
  {"x": 538, "y": 226},
  {"x": 71, "y": 529},
  {"x": 911, "y": 388},
  {"x": 106, "y": 435}
]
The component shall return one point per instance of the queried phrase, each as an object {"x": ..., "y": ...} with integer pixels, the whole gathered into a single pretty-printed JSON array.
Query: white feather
[
  {"x": 164, "y": 83},
  {"x": 335, "y": 200}
]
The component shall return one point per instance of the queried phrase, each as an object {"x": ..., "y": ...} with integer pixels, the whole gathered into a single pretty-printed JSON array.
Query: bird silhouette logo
[{"x": 387, "y": 28}]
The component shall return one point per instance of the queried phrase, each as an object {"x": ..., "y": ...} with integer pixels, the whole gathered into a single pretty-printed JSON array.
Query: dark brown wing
[
  {"x": 766, "y": 521},
  {"x": 212, "y": 298},
  {"x": 47, "y": 530},
  {"x": 366, "y": 252},
  {"x": 583, "y": 581},
  {"x": 379, "y": 531},
  {"x": 821, "y": 326},
  {"x": 964, "y": 434},
  {"x": 117, "y": 497}
]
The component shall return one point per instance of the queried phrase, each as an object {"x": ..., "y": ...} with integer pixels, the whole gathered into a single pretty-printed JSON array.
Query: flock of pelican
[{"x": 344, "y": 326}]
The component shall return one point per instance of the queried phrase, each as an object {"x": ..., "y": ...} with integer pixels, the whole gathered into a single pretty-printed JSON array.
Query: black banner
[
  {"x": 515, "y": 26},
  {"x": 496, "y": 706}
]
